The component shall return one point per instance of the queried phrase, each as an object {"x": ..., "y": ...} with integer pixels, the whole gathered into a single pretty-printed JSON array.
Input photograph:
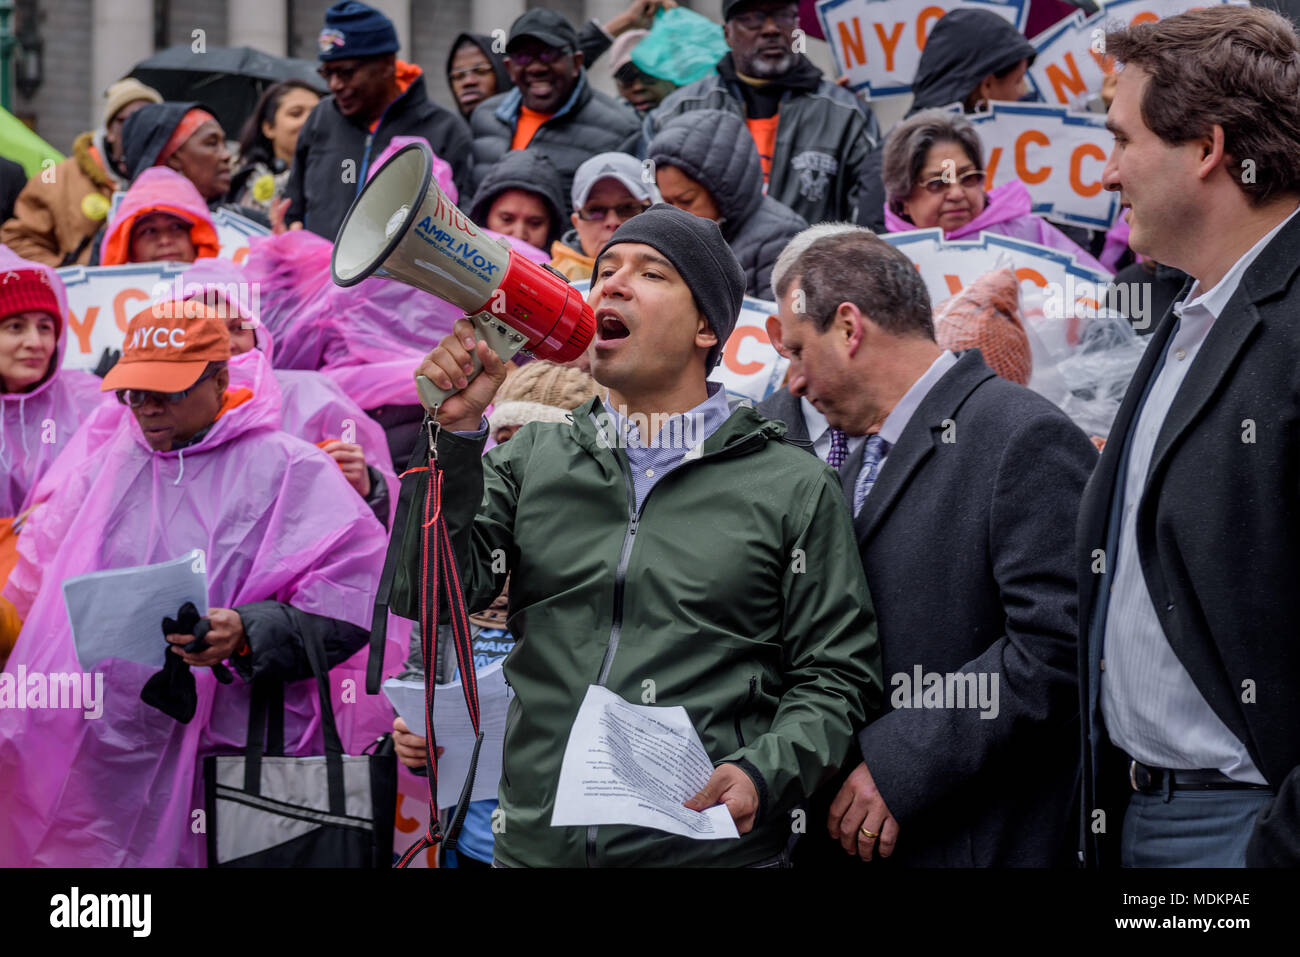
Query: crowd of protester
[{"x": 1131, "y": 612}]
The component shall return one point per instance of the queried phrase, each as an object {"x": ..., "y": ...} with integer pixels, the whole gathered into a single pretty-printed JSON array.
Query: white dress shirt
[
  {"x": 892, "y": 428},
  {"x": 1152, "y": 708},
  {"x": 819, "y": 431}
]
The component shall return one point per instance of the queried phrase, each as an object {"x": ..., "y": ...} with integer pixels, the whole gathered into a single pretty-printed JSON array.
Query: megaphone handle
[{"x": 504, "y": 340}]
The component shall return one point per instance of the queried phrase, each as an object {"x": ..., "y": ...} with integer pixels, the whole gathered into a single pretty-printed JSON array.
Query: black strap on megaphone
[{"x": 438, "y": 567}]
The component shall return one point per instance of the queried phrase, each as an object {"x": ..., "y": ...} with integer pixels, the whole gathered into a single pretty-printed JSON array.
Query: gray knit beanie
[{"x": 701, "y": 256}]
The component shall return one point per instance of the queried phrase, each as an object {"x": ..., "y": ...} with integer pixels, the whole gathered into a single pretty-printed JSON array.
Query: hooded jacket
[
  {"x": 147, "y": 130},
  {"x": 964, "y": 47},
  {"x": 603, "y": 592},
  {"x": 36, "y": 425},
  {"x": 714, "y": 148},
  {"x": 1007, "y": 211},
  {"x": 55, "y": 218},
  {"x": 159, "y": 189},
  {"x": 484, "y": 44},
  {"x": 589, "y": 122},
  {"x": 528, "y": 170},
  {"x": 822, "y": 138},
  {"x": 334, "y": 152},
  {"x": 286, "y": 543}
]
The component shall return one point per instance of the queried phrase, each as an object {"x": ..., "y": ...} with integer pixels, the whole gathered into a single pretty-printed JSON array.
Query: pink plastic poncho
[
  {"x": 1008, "y": 213},
  {"x": 35, "y": 426},
  {"x": 368, "y": 338},
  {"x": 276, "y": 520},
  {"x": 312, "y": 406}
]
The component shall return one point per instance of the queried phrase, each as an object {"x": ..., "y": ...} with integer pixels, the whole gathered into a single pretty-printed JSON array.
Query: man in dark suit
[
  {"x": 805, "y": 426},
  {"x": 965, "y": 496},
  {"x": 1189, "y": 532}
]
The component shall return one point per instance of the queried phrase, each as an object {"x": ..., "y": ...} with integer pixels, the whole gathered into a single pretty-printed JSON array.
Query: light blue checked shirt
[{"x": 680, "y": 437}]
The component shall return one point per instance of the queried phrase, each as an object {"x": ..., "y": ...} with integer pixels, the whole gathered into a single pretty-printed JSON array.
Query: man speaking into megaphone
[{"x": 666, "y": 548}]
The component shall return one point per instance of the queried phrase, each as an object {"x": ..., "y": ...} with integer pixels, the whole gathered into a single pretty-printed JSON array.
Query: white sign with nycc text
[
  {"x": 1057, "y": 153},
  {"x": 877, "y": 44},
  {"x": 102, "y": 300},
  {"x": 1072, "y": 61},
  {"x": 948, "y": 266}
]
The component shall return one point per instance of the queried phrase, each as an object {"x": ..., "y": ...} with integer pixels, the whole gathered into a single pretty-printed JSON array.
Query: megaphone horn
[{"x": 403, "y": 227}]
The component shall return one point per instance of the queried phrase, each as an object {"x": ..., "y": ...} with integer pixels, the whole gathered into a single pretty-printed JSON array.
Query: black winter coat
[
  {"x": 322, "y": 185},
  {"x": 823, "y": 137},
  {"x": 589, "y": 123}
]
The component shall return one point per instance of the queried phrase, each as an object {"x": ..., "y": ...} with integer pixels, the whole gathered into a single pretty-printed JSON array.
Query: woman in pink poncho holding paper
[{"x": 288, "y": 547}]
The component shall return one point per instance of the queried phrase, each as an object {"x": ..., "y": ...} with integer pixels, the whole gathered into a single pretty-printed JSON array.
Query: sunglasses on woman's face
[
  {"x": 968, "y": 180},
  {"x": 138, "y": 397}
]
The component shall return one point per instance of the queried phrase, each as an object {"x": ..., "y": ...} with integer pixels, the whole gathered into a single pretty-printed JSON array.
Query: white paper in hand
[
  {"x": 118, "y": 613},
  {"x": 455, "y": 733},
  {"x": 636, "y": 764}
]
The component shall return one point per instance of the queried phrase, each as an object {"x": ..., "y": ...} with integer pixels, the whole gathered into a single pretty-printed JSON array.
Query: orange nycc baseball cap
[{"x": 168, "y": 345}]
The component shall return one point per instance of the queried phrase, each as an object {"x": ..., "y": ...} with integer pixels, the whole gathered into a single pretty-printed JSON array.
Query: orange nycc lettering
[
  {"x": 731, "y": 351},
  {"x": 889, "y": 43},
  {"x": 851, "y": 43},
  {"x": 923, "y": 24},
  {"x": 991, "y": 167},
  {"x": 1025, "y": 274},
  {"x": 120, "y": 301},
  {"x": 1063, "y": 82},
  {"x": 82, "y": 330},
  {"x": 1076, "y": 160},
  {"x": 1030, "y": 177}
]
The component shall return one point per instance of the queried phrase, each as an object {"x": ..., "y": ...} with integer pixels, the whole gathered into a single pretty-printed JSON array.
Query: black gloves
[{"x": 172, "y": 690}]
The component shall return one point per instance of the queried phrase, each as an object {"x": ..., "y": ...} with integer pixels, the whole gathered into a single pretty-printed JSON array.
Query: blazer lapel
[
  {"x": 1270, "y": 274},
  {"x": 1227, "y": 336},
  {"x": 922, "y": 433}
]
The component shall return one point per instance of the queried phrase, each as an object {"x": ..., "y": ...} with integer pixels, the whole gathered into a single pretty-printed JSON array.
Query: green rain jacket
[{"x": 735, "y": 591}]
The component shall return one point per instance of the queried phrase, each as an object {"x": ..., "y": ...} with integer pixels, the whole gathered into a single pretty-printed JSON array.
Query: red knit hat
[{"x": 28, "y": 290}]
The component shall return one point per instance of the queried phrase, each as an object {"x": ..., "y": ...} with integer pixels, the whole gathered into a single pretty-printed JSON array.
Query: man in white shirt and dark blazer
[{"x": 1189, "y": 532}]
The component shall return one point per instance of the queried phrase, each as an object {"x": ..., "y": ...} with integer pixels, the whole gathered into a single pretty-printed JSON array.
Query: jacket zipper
[
  {"x": 744, "y": 708},
  {"x": 616, "y": 628},
  {"x": 370, "y": 139},
  {"x": 620, "y": 579}
]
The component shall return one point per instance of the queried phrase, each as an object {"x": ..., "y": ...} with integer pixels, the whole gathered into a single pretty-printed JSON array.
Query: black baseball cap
[
  {"x": 547, "y": 26},
  {"x": 731, "y": 8}
]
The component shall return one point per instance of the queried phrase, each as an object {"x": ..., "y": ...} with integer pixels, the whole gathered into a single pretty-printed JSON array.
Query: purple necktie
[{"x": 839, "y": 449}]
